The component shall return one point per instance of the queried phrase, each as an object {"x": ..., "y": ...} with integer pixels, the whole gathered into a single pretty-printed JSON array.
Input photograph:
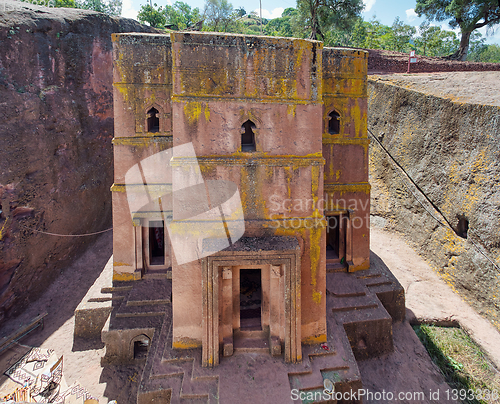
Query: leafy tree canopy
[
  {"x": 152, "y": 15},
  {"x": 181, "y": 16},
  {"x": 219, "y": 15},
  {"x": 110, "y": 7},
  {"x": 318, "y": 16},
  {"x": 468, "y": 15}
]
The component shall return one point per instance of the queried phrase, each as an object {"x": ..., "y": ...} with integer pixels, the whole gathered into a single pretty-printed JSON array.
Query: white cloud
[
  {"x": 491, "y": 35},
  {"x": 270, "y": 14},
  {"x": 128, "y": 10},
  {"x": 411, "y": 14},
  {"x": 368, "y": 5}
]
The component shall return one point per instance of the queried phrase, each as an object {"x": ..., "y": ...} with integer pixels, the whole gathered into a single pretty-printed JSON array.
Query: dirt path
[
  {"x": 428, "y": 298},
  {"x": 409, "y": 369}
]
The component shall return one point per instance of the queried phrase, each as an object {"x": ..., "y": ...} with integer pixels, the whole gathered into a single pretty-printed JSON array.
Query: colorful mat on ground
[{"x": 41, "y": 372}]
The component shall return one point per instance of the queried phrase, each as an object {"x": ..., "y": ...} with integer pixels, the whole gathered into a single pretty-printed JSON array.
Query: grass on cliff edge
[{"x": 462, "y": 362}]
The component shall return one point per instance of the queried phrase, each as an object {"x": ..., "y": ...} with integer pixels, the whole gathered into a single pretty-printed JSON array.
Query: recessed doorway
[
  {"x": 156, "y": 243},
  {"x": 250, "y": 299},
  {"x": 333, "y": 237}
]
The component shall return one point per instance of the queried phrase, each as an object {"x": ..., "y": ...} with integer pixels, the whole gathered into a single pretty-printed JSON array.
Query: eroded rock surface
[
  {"x": 449, "y": 145},
  {"x": 56, "y": 126}
]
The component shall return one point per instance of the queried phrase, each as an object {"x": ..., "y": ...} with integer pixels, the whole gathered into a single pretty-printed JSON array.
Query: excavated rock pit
[
  {"x": 56, "y": 126},
  {"x": 443, "y": 130}
]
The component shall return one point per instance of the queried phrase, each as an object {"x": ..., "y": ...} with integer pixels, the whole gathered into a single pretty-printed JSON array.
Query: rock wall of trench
[
  {"x": 56, "y": 127},
  {"x": 452, "y": 153}
]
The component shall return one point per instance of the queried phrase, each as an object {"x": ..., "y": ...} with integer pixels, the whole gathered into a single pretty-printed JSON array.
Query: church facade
[{"x": 261, "y": 138}]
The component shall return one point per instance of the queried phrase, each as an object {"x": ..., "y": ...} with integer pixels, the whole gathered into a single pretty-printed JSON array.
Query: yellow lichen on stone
[
  {"x": 192, "y": 111},
  {"x": 314, "y": 339}
]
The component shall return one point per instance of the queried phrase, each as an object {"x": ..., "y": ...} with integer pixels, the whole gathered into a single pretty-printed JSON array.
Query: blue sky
[{"x": 384, "y": 10}]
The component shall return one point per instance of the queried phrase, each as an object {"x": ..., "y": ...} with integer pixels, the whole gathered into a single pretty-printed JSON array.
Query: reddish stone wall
[{"x": 56, "y": 126}]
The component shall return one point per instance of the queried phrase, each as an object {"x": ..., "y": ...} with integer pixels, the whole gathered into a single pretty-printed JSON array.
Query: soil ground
[{"x": 408, "y": 369}]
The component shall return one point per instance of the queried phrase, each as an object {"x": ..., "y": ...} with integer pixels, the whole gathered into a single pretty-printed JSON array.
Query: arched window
[
  {"x": 153, "y": 120},
  {"x": 247, "y": 136},
  {"x": 333, "y": 123}
]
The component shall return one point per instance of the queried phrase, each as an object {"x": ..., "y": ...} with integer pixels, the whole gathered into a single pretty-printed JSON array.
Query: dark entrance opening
[
  {"x": 333, "y": 237},
  {"x": 250, "y": 299},
  {"x": 153, "y": 120},
  {"x": 462, "y": 226},
  {"x": 141, "y": 347},
  {"x": 156, "y": 243}
]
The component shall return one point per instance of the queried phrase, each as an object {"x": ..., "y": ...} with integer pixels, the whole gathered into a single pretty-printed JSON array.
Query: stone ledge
[{"x": 95, "y": 308}]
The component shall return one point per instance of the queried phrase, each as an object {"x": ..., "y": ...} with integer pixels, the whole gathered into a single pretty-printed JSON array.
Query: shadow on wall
[
  {"x": 56, "y": 156},
  {"x": 63, "y": 296}
]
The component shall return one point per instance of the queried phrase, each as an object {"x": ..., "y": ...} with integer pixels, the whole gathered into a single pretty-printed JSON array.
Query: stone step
[
  {"x": 388, "y": 290},
  {"x": 250, "y": 334},
  {"x": 117, "y": 289},
  {"x": 369, "y": 331},
  {"x": 157, "y": 392},
  {"x": 135, "y": 322},
  {"x": 148, "y": 302},
  {"x": 344, "y": 285},
  {"x": 255, "y": 345},
  {"x": 151, "y": 289},
  {"x": 306, "y": 381},
  {"x": 340, "y": 304},
  {"x": 164, "y": 370},
  {"x": 335, "y": 267},
  {"x": 142, "y": 310},
  {"x": 166, "y": 275},
  {"x": 201, "y": 388}
]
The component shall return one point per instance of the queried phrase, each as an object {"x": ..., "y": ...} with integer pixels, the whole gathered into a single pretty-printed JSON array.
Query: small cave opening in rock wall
[
  {"x": 462, "y": 228},
  {"x": 141, "y": 347},
  {"x": 153, "y": 120},
  {"x": 333, "y": 123},
  {"x": 248, "y": 136}
]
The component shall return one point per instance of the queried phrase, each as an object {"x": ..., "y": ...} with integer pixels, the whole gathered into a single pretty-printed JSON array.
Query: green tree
[
  {"x": 241, "y": 12},
  {"x": 110, "y": 7},
  {"x": 433, "y": 41},
  {"x": 400, "y": 35},
  {"x": 53, "y": 3},
  {"x": 181, "y": 16},
  {"x": 468, "y": 15},
  {"x": 476, "y": 47},
  {"x": 152, "y": 15},
  {"x": 318, "y": 16},
  {"x": 375, "y": 34},
  {"x": 249, "y": 24},
  {"x": 219, "y": 15},
  {"x": 281, "y": 26},
  {"x": 489, "y": 54}
]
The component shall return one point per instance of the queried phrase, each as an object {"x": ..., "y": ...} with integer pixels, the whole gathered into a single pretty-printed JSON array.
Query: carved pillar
[
  {"x": 210, "y": 322},
  {"x": 275, "y": 308},
  {"x": 227, "y": 310},
  {"x": 139, "y": 259},
  {"x": 293, "y": 348},
  {"x": 348, "y": 250}
]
